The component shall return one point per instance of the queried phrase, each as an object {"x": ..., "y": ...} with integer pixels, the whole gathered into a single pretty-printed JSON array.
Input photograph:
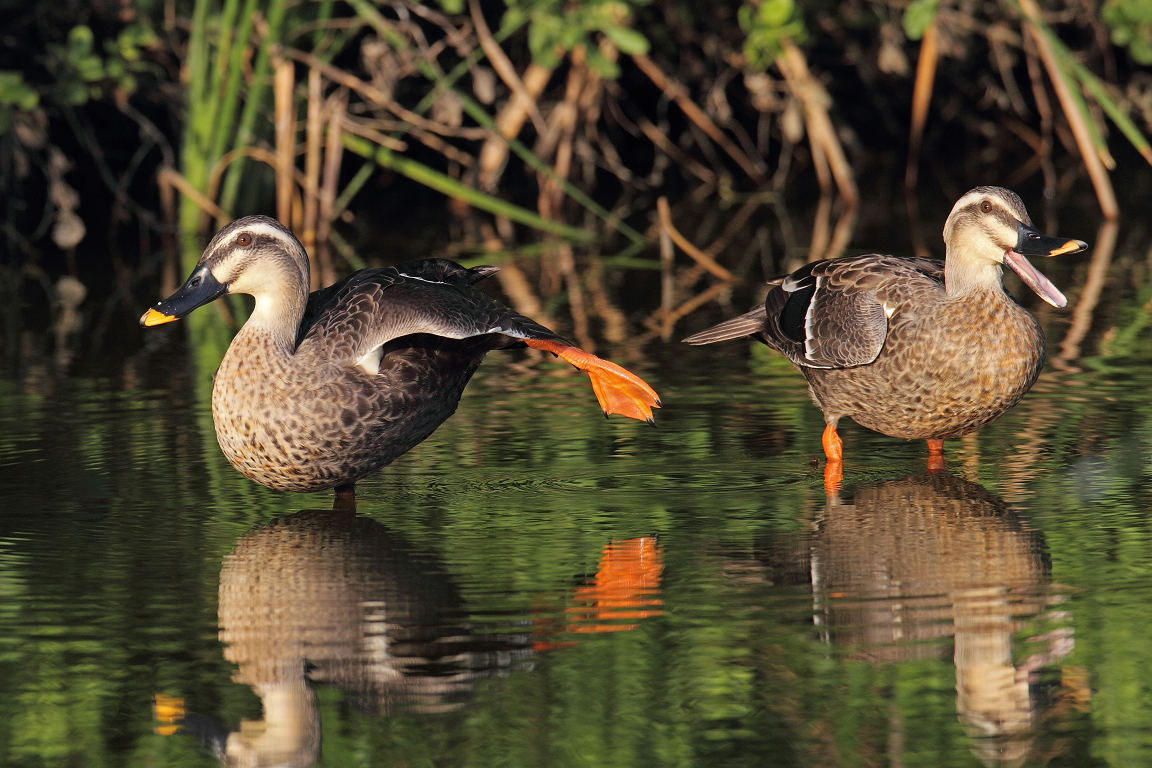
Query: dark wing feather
[
  {"x": 368, "y": 309},
  {"x": 834, "y": 313}
]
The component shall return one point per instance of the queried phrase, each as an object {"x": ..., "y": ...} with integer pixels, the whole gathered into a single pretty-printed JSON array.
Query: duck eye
[
  {"x": 244, "y": 239},
  {"x": 986, "y": 207}
]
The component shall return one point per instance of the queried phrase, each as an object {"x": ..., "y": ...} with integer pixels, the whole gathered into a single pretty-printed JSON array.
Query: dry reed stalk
[
  {"x": 656, "y": 321},
  {"x": 566, "y": 263},
  {"x": 509, "y": 120},
  {"x": 679, "y": 156},
  {"x": 733, "y": 224},
  {"x": 504, "y": 69},
  {"x": 1077, "y": 121},
  {"x": 664, "y": 213},
  {"x": 1089, "y": 299},
  {"x": 335, "y": 108},
  {"x": 842, "y": 232},
  {"x": 172, "y": 178},
  {"x": 615, "y": 328},
  {"x": 679, "y": 94},
  {"x": 667, "y": 281},
  {"x": 313, "y": 141},
  {"x": 520, "y": 294},
  {"x": 255, "y": 153},
  {"x": 821, "y": 133},
  {"x": 284, "y": 81},
  {"x": 558, "y": 139},
  {"x": 1044, "y": 109},
  {"x": 921, "y": 98},
  {"x": 379, "y": 98},
  {"x": 821, "y": 236},
  {"x": 828, "y": 241}
]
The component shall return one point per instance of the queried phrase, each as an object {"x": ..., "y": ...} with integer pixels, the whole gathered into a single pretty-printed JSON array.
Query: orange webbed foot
[{"x": 617, "y": 389}]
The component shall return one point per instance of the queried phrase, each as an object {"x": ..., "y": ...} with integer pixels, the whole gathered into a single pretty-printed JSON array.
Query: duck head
[
  {"x": 990, "y": 228},
  {"x": 254, "y": 255}
]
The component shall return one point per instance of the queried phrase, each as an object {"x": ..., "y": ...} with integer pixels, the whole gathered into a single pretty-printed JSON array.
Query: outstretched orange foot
[{"x": 618, "y": 389}]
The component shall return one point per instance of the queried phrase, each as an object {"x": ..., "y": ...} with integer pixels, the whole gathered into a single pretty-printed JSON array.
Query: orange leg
[
  {"x": 833, "y": 445},
  {"x": 935, "y": 455},
  {"x": 834, "y": 467},
  {"x": 618, "y": 389}
]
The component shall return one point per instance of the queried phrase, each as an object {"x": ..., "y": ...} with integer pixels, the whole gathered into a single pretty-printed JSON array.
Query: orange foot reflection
[{"x": 625, "y": 590}]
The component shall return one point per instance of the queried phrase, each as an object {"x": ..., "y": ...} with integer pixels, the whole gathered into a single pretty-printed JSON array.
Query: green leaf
[
  {"x": 13, "y": 90},
  {"x": 628, "y": 40},
  {"x": 80, "y": 42},
  {"x": 775, "y": 13},
  {"x": 918, "y": 16},
  {"x": 602, "y": 65},
  {"x": 90, "y": 69}
]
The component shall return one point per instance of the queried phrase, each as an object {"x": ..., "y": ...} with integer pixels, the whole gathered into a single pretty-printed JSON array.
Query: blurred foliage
[
  {"x": 766, "y": 25},
  {"x": 82, "y": 73},
  {"x": 556, "y": 27},
  {"x": 1130, "y": 22}
]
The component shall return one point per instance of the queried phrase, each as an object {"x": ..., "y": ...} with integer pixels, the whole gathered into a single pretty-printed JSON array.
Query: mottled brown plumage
[
  {"x": 318, "y": 391},
  {"x": 915, "y": 348}
]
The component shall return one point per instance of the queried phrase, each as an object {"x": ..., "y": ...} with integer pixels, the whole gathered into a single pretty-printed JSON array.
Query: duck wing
[
  {"x": 350, "y": 322},
  {"x": 834, "y": 313}
]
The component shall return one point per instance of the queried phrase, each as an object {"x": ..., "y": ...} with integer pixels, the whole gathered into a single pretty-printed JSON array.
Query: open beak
[
  {"x": 199, "y": 289},
  {"x": 1029, "y": 242}
]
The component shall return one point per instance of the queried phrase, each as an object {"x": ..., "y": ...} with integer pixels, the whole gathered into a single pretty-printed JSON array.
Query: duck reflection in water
[
  {"x": 334, "y": 598},
  {"x": 916, "y": 561}
]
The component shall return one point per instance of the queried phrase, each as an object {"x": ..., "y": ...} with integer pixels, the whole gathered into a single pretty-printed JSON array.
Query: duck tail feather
[{"x": 738, "y": 327}]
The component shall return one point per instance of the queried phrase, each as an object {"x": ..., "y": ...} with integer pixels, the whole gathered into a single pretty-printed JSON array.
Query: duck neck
[
  {"x": 966, "y": 273},
  {"x": 280, "y": 301}
]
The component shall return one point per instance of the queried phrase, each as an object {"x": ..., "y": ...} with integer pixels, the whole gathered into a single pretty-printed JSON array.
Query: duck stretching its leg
[{"x": 317, "y": 391}]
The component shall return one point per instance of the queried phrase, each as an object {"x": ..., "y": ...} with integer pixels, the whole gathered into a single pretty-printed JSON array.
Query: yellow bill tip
[
  {"x": 155, "y": 317},
  {"x": 1072, "y": 246}
]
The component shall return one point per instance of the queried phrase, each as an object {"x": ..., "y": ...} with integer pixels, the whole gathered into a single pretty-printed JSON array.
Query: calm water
[{"x": 537, "y": 586}]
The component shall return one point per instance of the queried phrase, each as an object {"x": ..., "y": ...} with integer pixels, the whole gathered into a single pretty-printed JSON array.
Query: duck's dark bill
[
  {"x": 1029, "y": 242},
  {"x": 200, "y": 288},
  {"x": 1034, "y": 280}
]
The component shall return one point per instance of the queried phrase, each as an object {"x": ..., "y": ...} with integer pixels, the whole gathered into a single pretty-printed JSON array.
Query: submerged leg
[
  {"x": 345, "y": 500},
  {"x": 935, "y": 455},
  {"x": 834, "y": 466},
  {"x": 618, "y": 389}
]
